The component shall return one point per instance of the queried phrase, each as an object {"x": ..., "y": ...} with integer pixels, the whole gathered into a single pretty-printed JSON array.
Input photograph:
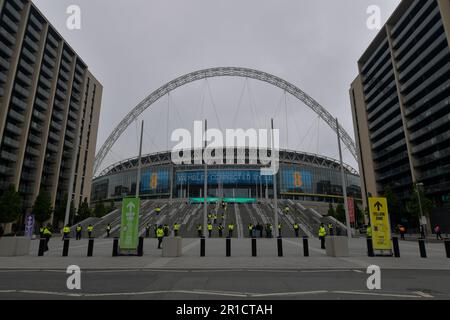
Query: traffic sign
[
  {"x": 379, "y": 219},
  {"x": 129, "y": 231}
]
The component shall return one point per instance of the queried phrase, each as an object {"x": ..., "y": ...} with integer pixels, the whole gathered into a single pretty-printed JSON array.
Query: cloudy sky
[{"x": 135, "y": 46}]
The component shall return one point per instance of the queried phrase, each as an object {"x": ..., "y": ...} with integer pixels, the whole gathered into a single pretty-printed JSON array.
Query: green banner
[{"x": 129, "y": 230}]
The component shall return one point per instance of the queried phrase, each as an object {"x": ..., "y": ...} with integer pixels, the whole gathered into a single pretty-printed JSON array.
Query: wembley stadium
[{"x": 301, "y": 176}]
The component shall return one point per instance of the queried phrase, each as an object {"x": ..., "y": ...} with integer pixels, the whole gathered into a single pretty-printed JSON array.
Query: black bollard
[
  {"x": 65, "y": 252},
  {"x": 41, "y": 247},
  {"x": 228, "y": 247},
  {"x": 396, "y": 247},
  {"x": 370, "y": 252},
  {"x": 447, "y": 248},
  {"x": 253, "y": 247},
  {"x": 140, "y": 250},
  {"x": 115, "y": 251},
  {"x": 305, "y": 247},
  {"x": 202, "y": 247},
  {"x": 90, "y": 247},
  {"x": 280, "y": 247},
  {"x": 422, "y": 249}
]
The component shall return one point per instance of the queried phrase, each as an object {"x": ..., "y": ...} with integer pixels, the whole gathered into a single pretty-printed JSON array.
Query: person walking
[
  {"x": 47, "y": 233},
  {"x": 437, "y": 230},
  {"x": 199, "y": 230},
  {"x": 108, "y": 230},
  {"x": 422, "y": 231},
  {"x": 279, "y": 230},
  {"x": 160, "y": 235},
  {"x": 250, "y": 230},
  {"x": 402, "y": 230},
  {"x": 78, "y": 230},
  {"x": 147, "y": 230},
  {"x": 90, "y": 229},
  {"x": 166, "y": 230},
  {"x": 220, "y": 228},
  {"x": 322, "y": 234},
  {"x": 296, "y": 229}
]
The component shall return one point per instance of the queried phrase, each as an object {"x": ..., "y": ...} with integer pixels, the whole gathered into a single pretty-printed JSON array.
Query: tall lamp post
[{"x": 420, "y": 203}]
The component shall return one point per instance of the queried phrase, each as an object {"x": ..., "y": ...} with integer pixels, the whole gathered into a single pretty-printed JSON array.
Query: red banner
[{"x": 351, "y": 209}]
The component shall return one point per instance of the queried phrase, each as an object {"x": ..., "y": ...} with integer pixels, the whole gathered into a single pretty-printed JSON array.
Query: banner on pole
[
  {"x": 351, "y": 209},
  {"x": 129, "y": 229},
  {"x": 379, "y": 220}
]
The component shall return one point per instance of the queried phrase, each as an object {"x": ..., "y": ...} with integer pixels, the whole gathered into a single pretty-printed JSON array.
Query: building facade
[
  {"x": 401, "y": 103},
  {"x": 49, "y": 109},
  {"x": 301, "y": 176}
]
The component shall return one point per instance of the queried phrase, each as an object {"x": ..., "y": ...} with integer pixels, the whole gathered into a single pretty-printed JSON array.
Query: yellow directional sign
[{"x": 379, "y": 220}]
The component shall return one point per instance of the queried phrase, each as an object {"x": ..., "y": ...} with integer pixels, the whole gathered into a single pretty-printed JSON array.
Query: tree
[
  {"x": 42, "y": 208},
  {"x": 84, "y": 211},
  {"x": 99, "y": 210},
  {"x": 60, "y": 210},
  {"x": 331, "y": 211},
  {"x": 413, "y": 205},
  {"x": 340, "y": 213},
  {"x": 111, "y": 207},
  {"x": 10, "y": 205}
]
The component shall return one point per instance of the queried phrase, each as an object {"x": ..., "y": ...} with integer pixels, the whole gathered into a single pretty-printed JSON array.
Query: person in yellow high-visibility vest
[
  {"x": 322, "y": 234},
  {"x": 210, "y": 228},
  {"x": 66, "y": 232},
  {"x": 90, "y": 229},
  {"x": 250, "y": 230},
  {"x": 199, "y": 230},
  {"x": 160, "y": 235},
  {"x": 47, "y": 233},
  {"x": 230, "y": 230},
  {"x": 296, "y": 229},
  {"x": 78, "y": 231},
  {"x": 369, "y": 231},
  {"x": 176, "y": 228}
]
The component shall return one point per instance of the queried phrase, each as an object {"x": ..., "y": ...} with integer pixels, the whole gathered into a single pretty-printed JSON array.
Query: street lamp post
[{"x": 420, "y": 203}]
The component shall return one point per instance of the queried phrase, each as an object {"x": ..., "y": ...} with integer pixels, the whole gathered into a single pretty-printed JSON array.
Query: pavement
[{"x": 216, "y": 276}]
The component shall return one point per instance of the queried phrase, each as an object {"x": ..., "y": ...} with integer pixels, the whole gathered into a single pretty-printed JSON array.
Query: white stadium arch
[{"x": 221, "y": 72}]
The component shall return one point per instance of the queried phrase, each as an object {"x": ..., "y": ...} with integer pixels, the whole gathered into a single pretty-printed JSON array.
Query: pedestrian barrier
[
  {"x": 41, "y": 247},
  {"x": 447, "y": 248},
  {"x": 90, "y": 252},
  {"x": 396, "y": 247},
  {"x": 228, "y": 247},
  {"x": 140, "y": 250},
  {"x": 280, "y": 247},
  {"x": 370, "y": 252},
  {"x": 422, "y": 249},
  {"x": 65, "y": 252},
  {"x": 254, "y": 252},
  {"x": 202, "y": 247},
  {"x": 115, "y": 250},
  {"x": 305, "y": 247}
]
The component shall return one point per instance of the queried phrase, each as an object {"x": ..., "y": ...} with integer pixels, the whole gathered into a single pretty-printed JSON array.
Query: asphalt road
[{"x": 226, "y": 284}]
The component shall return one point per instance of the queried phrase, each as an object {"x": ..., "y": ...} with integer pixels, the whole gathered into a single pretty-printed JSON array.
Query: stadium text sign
[{"x": 129, "y": 229}]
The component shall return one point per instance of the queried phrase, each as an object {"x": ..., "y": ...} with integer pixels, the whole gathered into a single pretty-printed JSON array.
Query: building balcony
[{"x": 8, "y": 156}]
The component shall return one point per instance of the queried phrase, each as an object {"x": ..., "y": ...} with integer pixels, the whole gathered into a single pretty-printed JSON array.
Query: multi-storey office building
[
  {"x": 401, "y": 103},
  {"x": 49, "y": 108}
]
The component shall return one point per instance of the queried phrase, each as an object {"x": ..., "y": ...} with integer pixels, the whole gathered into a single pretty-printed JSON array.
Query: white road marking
[
  {"x": 281, "y": 294},
  {"x": 423, "y": 294}
]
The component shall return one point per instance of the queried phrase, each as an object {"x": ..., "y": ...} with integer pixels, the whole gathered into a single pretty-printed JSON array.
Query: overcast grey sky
[{"x": 135, "y": 46}]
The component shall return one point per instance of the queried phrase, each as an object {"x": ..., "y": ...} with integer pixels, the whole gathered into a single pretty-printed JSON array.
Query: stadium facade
[{"x": 301, "y": 176}]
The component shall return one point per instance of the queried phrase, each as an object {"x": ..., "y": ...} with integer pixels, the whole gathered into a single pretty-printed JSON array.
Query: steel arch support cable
[{"x": 222, "y": 72}]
